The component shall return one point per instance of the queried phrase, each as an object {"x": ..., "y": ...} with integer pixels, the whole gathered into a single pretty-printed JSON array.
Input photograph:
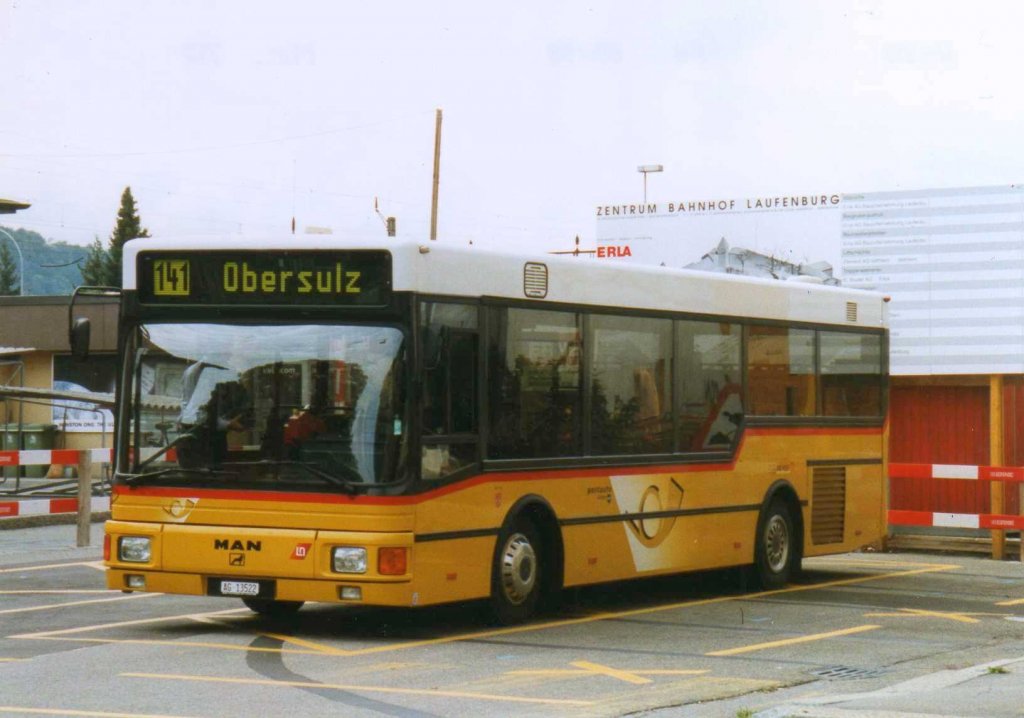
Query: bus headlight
[
  {"x": 349, "y": 559},
  {"x": 134, "y": 549}
]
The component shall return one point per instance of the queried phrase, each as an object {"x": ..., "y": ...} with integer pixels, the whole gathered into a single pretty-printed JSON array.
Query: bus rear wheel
[
  {"x": 775, "y": 548},
  {"x": 271, "y": 608},
  {"x": 516, "y": 577}
]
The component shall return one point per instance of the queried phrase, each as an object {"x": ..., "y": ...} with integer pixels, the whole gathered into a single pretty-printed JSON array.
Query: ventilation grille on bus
[
  {"x": 535, "y": 280},
  {"x": 851, "y": 311},
  {"x": 828, "y": 504}
]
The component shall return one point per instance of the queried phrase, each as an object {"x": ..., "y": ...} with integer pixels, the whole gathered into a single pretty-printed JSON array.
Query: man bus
[{"x": 415, "y": 424}]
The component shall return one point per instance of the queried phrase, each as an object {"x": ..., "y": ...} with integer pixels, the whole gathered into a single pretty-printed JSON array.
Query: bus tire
[
  {"x": 271, "y": 608},
  {"x": 516, "y": 579},
  {"x": 775, "y": 546}
]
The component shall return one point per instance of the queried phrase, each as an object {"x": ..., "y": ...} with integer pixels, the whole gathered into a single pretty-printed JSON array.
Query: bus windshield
[{"x": 282, "y": 407}]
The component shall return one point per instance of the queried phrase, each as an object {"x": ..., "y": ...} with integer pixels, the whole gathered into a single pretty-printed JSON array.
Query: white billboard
[
  {"x": 951, "y": 259},
  {"x": 679, "y": 232},
  {"x": 953, "y": 262}
]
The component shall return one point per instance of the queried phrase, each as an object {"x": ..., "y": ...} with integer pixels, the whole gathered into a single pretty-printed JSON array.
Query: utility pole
[{"x": 437, "y": 176}]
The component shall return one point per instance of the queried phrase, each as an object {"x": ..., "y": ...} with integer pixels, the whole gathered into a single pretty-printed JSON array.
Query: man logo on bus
[{"x": 651, "y": 532}]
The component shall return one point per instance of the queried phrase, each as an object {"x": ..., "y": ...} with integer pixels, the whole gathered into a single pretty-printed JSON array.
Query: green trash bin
[{"x": 33, "y": 436}]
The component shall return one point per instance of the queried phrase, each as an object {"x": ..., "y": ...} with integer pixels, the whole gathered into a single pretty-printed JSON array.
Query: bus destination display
[{"x": 310, "y": 278}]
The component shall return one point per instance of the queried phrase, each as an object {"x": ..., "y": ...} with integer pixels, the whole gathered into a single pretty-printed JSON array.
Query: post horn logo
[
  {"x": 655, "y": 518},
  {"x": 180, "y": 509}
]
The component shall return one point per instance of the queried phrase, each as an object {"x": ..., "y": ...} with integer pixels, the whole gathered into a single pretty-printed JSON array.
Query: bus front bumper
[{"x": 281, "y": 589}]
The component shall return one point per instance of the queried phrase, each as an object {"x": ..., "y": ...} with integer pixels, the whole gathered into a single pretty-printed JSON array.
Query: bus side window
[
  {"x": 781, "y": 371},
  {"x": 449, "y": 343},
  {"x": 709, "y": 403}
]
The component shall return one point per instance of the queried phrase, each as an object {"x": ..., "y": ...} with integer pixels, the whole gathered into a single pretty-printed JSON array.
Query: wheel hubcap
[
  {"x": 776, "y": 543},
  {"x": 518, "y": 569}
]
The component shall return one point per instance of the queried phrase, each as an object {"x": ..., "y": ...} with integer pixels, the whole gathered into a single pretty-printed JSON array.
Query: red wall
[{"x": 950, "y": 425}]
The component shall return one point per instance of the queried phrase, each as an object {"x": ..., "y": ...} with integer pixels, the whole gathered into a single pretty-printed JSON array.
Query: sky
[{"x": 230, "y": 118}]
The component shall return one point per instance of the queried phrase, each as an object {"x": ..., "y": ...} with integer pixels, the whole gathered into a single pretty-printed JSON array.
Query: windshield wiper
[
  {"x": 311, "y": 469},
  {"x": 135, "y": 479},
  {"x": 165, "y": 449}
]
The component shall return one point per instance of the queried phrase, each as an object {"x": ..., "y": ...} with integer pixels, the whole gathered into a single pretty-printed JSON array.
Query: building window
[{"x": 97, "y": 374}]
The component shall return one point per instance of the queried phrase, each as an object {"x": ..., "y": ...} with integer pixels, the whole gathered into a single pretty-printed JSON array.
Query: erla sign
[{"x": 679, "y": 232}]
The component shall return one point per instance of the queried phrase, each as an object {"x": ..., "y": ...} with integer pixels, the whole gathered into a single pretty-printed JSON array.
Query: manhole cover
[{"x": 842, "y": 673}]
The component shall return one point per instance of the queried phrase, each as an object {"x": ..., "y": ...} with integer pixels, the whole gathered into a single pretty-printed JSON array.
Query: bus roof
[{"x": 440, "y": 268}]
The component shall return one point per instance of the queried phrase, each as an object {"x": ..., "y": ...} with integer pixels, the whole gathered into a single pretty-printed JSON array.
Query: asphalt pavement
[
  {"x": 23, "y": 544},
  {"x": 992, "y": 689}
]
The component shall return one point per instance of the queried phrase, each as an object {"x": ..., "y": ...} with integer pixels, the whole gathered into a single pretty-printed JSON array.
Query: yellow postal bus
[{"x": 409, "y": 424}]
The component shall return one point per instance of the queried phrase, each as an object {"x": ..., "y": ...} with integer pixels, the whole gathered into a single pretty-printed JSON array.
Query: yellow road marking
[
  {"x": 91, "y": 564},
  {"x": 12, "y": 660},
  {"x": 70, "y": 712},
  {"x": 119, "y": 624},
  {"x": 590, "y": 669},
  {"x": 961, "y": 616},
  {"x": 357, "y": 688},
  {"x": 611, "y": 672},
  {"x": 71, "y": 591},
  {"x": 492, "y": 633},
  {"x": 873, "y": 563},
  {"x": 193, "y": 644},
  {"x": 51, "y": 606},
  {"x": 314, "y": 646},
  {"x": 1015, "y": 602},
  {"x": 792, "y": 641}
]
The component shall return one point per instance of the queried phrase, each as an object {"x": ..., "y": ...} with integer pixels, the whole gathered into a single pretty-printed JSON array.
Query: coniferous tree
[
  {"x": 94, "y": 270},
  {"x": 9, "y": 283},
  {"x": 128, "y": 226}
]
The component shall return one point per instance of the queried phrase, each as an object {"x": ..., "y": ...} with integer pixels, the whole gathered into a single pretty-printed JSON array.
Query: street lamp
[
  {"x": 645, "y": 169},
  {"x": 21, "y": 259}
]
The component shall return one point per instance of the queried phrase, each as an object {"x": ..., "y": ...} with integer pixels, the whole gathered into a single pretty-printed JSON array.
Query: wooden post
[
  {"x": 996, "y": 458},
  {"x": 84, "y": 496},
  {"x": 437, "y": 176}
]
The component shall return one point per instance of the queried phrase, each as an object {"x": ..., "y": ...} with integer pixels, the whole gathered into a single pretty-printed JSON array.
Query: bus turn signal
[{"x": 392, "y": 561}]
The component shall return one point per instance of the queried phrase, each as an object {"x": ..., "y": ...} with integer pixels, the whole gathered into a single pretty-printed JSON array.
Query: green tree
[
  {"x": 94, "y": 269},
  {"x": 9, "y": 283},
  {"x": 128, "y": 226}
]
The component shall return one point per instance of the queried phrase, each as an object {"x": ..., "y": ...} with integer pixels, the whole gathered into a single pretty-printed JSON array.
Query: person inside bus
[
  {"x": 214, "y": 402},
  {"x": 300, "y": 427}
]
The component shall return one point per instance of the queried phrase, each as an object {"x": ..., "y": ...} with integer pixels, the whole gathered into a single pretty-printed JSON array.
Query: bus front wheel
[
  {"x": 272, "y": 609},
  {"x": 775, "y": 552},
  {"x": 516, "y": 578}
]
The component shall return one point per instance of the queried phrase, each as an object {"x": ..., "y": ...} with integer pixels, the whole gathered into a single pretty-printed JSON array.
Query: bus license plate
[{"x": 239, "y": 588}]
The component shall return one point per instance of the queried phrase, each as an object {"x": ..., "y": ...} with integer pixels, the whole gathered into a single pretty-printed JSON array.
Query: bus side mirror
[{"x": 78, "y": 337}]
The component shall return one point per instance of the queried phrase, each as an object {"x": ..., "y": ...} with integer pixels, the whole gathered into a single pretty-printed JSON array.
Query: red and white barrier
[
  {"x": 44, "y": 507},
  {"x": 42, "y": 457},
  {"x": 960, "y": 521},
  {"x": 956, "y": 471},
  {"x": 45, "y": 457}
]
